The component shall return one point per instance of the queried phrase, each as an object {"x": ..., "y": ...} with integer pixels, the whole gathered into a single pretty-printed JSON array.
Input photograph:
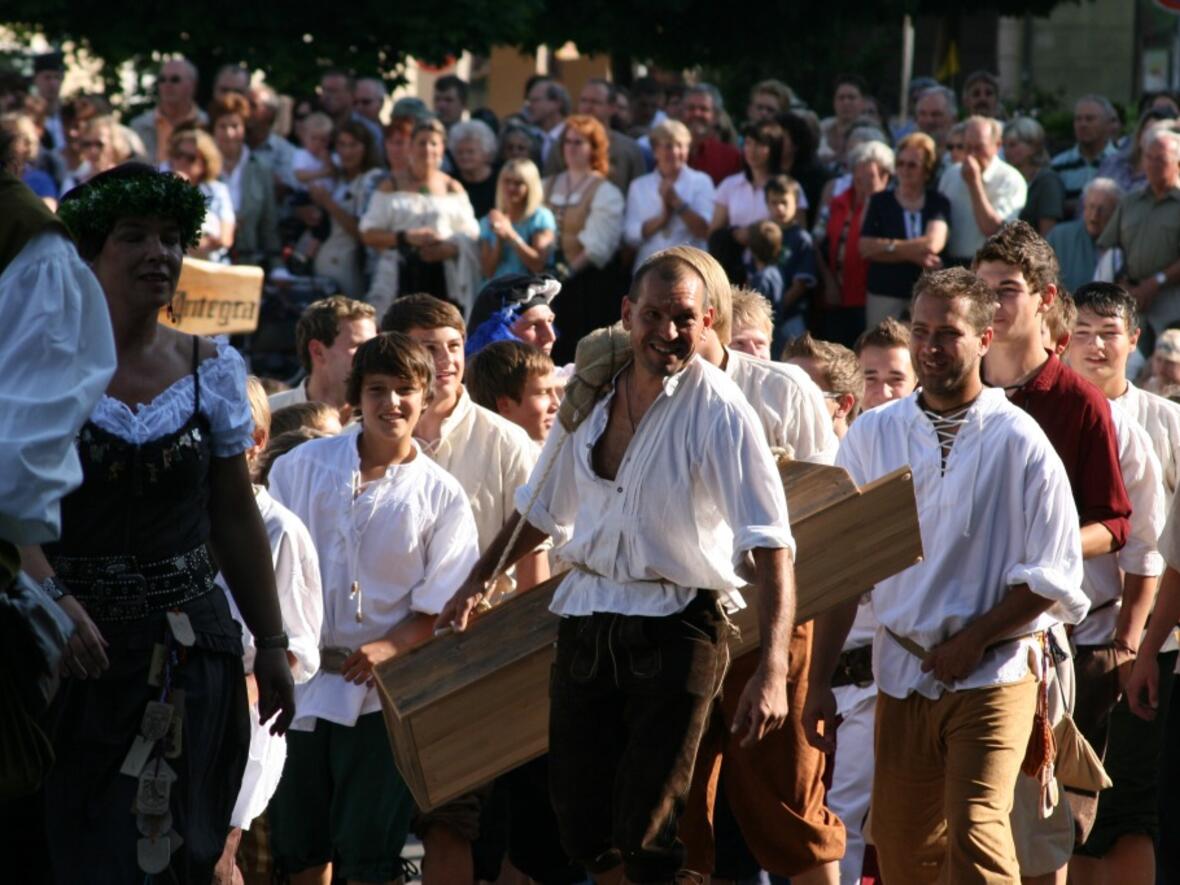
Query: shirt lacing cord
[{"x": 946, "y": 427}]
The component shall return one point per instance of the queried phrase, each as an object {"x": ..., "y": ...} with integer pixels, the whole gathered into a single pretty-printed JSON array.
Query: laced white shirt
[
  {"x": 408, "y": 539},
  {"x": 697, "y": 491},
  {"x": 999, "y": 515}
]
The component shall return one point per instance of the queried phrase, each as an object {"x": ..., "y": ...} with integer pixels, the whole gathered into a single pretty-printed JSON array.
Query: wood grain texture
[{"x": 464, "y": 708}]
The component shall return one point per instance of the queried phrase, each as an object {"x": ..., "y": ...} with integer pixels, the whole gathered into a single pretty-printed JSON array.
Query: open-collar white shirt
[{"x": 695, "y": 494}]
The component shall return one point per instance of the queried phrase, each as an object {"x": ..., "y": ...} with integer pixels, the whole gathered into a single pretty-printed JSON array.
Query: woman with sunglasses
[
  {"x": 904, "y": 229},
  {"x": 193, "y": 155}
]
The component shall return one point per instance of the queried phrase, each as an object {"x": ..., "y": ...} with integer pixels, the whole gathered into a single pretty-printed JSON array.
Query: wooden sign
[
  {"x": 216, "y": 299},
  {"x": 464, "y": 708}
]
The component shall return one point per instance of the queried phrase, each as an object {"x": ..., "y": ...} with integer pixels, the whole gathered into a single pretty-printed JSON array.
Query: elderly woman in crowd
[
  {"x": 589, "y": 213},
  {"x": 157, "y": 666},
  {"x": 904, "y": 230},
  {"x": 844, "y": 271},
  {"x": 473, "y": 145},
  {"x": 516, "y": 237},
  {"x": 250, "y": 182},
  {"x": 422, "y": 220},
  {"x": 341, "y": 256},
  {"x": 740, "y": 200},
  {"x": 193, "y": 155},
  {"x": 1024, "y": 148},
  {"x": 672, "y": 205}
]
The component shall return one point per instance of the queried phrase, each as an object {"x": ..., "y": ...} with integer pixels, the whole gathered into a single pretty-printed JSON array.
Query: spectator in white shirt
[
  {"x": 653, "y": 556},
  {"x": 673, "y": 205},
  {"x": 954, "y": 657},
  {"x": 984, "y": 191}
]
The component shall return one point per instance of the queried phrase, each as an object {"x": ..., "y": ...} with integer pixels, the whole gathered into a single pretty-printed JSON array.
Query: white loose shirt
[
  {"x": 696, "y": 493},
  {"x": 490, "y": 457},
  {"x": 1160, "y": 417},
  {"x": 1006, "y": 190},
  {"x": 1002, "y": 514},
  {"x": 1103, "y": 581},
  {"x": 644, "y": 202},
  {"x": 789, "y": 405},
  {"x": 57, "y": 357},
  {"x": 408, "y": 538},
  {"x": 301, "y": 602}
]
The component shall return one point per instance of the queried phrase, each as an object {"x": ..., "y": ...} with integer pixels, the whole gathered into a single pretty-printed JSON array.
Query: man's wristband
[{"x": 266, "y": 643}]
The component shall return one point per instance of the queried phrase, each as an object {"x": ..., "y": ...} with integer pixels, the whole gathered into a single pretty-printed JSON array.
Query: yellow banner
[{"x": 216, "y": 299}]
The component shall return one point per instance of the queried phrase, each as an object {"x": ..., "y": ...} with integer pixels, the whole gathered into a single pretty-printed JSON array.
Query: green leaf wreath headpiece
[{"x": 91, "y": 210}]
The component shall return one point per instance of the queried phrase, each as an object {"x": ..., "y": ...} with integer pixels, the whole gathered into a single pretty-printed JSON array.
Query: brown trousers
[
  {"x": 775, "y": 788},
  {"x": 945, "y": 777}
]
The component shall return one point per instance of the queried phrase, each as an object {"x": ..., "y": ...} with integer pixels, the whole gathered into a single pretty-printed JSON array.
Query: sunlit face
[
  {"x": 470, "y": 157},
  {"x": 1160, "y": 164},
  {"x": 445, "y": 346},
  {"x": 933, "y": 116},
  {"x": 979, "y": 142},
  {"x": 698, "y": 114},
  {"x": 514, "y": 189},
  {"x": 139, "y": 265},
  {"x": 944, "y": 347},
  {"x": 535, "y": 327},
  {"x": 331, "y": 363},
  {"x": 575, "y": 148},
  {"x": 889, "y": 375},
  {"x": 753, "y": 340},
  {"x": 671, "y": 156},
  {"x": 869, "y": 178},
  {"x": 911, "y": 167},
  {"x": 536, "y": 409},
  {"x": 1019, "y": 310},
  {"x": 667, "y": 323},
  {"x": 1100, "y": 346},
  {"x": 186, "y": 161},
  {"x": 427, "y": 150},
  {"x": 229, "y": 132},
  {"x": 1097, "y": 210},
  {"x": 390, "y": 406}
]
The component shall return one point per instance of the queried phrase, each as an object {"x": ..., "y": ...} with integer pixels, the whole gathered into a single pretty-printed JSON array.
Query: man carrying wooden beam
[{"x": 664, "y": 498}]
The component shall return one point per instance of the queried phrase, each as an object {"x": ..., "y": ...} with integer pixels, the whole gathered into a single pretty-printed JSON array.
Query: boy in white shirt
[{"x": 395, "y": 536}]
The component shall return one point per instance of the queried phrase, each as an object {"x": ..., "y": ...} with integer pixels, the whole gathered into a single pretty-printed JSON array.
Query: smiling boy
[{"x": 395, "y": 535}]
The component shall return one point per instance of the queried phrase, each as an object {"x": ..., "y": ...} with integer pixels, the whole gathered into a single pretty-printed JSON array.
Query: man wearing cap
[
  {"x": 48, "y": 72},
  {"x": 515, "y": 307}
]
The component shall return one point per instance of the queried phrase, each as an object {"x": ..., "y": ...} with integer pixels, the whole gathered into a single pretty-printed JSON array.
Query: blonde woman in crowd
[{"x": 517, "y": 235}]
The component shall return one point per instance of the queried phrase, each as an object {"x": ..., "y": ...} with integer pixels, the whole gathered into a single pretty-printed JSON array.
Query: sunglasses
[
  {"x": 171, "y": 78},
  {"x": 956, "y": 147}
]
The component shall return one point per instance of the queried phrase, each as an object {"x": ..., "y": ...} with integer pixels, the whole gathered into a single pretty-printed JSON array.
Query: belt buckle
[
  {"x": 121, "y": 593},
  {"x": 332, "y": 658}
]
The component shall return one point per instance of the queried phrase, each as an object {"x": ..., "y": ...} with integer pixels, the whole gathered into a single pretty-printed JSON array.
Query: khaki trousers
[{"x": 942, "y": 793}]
